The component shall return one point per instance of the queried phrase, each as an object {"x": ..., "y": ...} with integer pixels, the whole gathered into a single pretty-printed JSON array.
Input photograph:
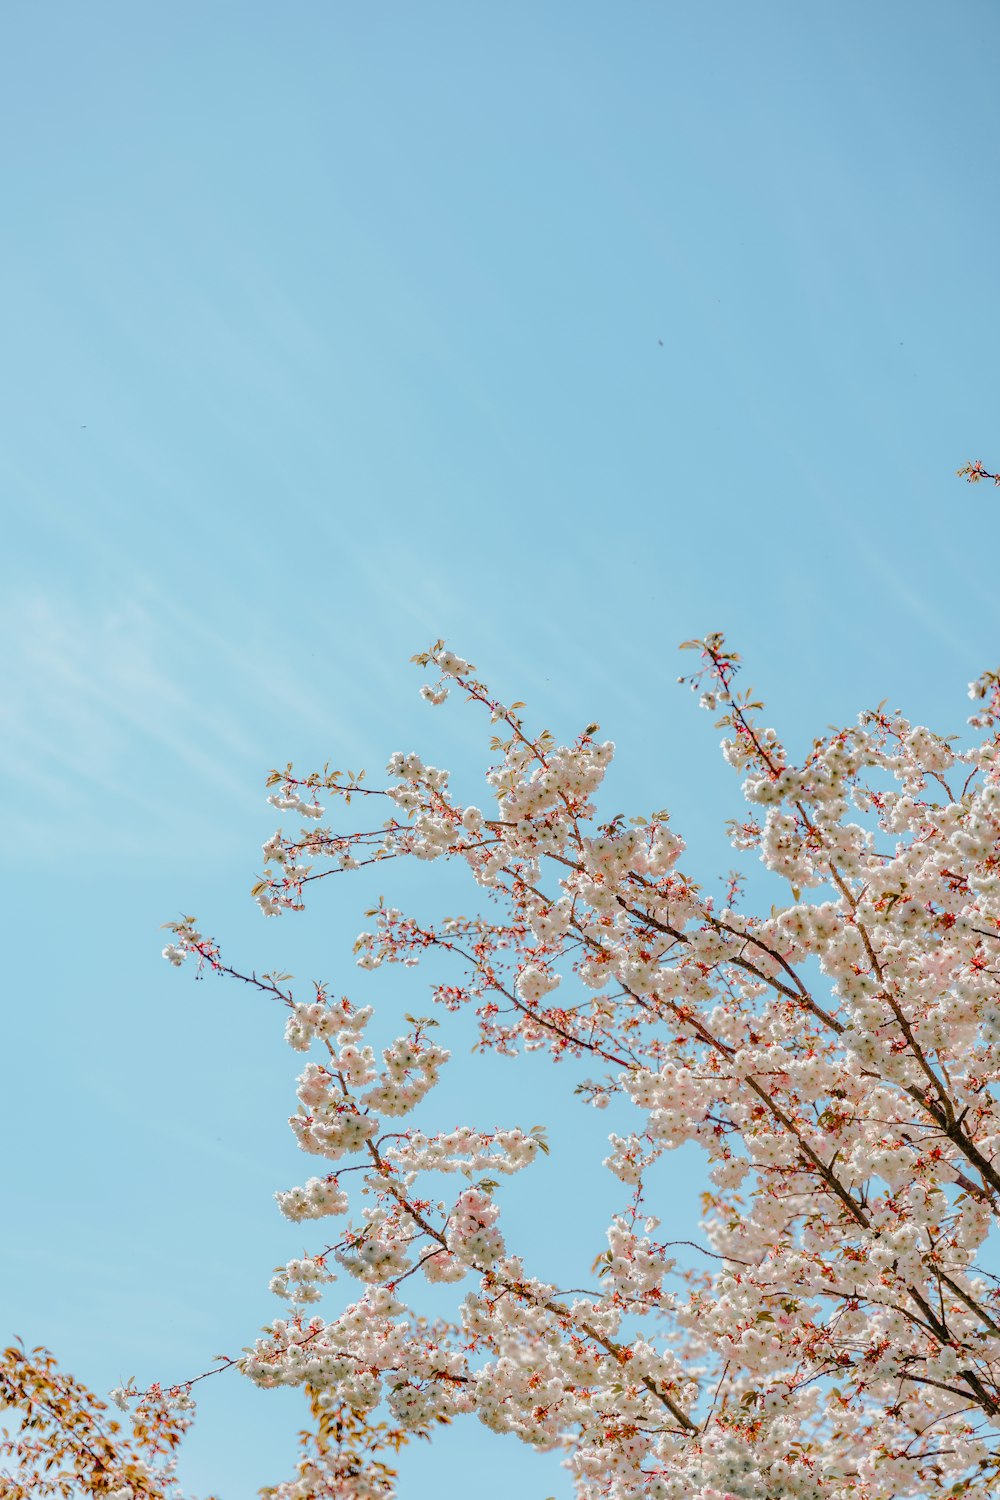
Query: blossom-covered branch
[{"x": 835, "y": 1056}]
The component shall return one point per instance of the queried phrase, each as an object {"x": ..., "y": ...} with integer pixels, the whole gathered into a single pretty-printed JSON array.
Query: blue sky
[{"x": 564, "y": 331}]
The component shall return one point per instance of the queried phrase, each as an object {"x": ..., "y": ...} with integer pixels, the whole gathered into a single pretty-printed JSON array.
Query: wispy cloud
[{"x": 113, "y": 738}]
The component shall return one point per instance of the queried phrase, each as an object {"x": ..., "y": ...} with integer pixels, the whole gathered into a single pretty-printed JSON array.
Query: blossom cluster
[{"x": 835, "y": 1055}]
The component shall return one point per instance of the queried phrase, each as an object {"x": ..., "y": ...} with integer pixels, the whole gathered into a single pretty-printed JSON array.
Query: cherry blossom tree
[{"x": 835, "y": 1057}]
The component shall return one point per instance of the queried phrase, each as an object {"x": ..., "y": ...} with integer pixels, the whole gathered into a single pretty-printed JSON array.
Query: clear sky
[{"x": 564, "y": 330}]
